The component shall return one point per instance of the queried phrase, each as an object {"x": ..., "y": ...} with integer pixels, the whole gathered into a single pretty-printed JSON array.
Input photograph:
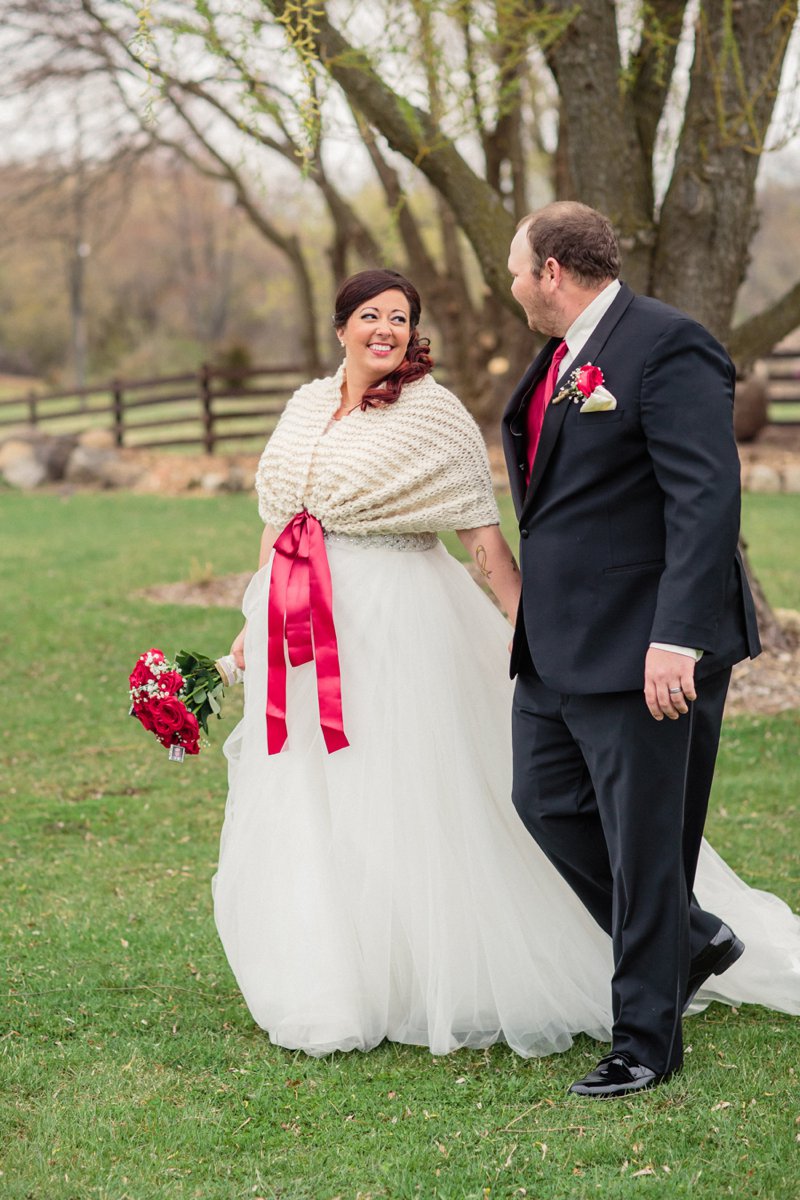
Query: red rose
[
  {"x": 169, "y": 683},
  {"x": 168, "y": 717},
  {"x": 156, "y": 687},
  {"x": 588, "y": 379},
  {"x": 143, "y": 713},
  {"x": 140, "y": 674},
  {"x": 190, "y": 733}
]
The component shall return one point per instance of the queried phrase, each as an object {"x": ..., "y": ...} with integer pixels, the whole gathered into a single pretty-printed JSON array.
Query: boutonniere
[{"x": 586, "y": 384}]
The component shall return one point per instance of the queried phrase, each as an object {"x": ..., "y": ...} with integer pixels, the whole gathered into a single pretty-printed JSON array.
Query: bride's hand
[{"x": 237, "y": 649}]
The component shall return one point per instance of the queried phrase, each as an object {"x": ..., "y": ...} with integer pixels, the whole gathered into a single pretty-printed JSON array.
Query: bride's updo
[{"x": 359, "y": 288}]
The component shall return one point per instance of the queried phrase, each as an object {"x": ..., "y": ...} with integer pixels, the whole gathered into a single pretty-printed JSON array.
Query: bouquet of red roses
[{"x": 174, "y": 700}]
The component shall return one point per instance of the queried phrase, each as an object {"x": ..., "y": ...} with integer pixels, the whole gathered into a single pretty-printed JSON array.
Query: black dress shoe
[
  {"x": 720, "y": 953},
  {"x": 617, "y": 1074}
]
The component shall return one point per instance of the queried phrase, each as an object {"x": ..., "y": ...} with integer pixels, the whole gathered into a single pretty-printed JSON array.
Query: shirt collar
[{"x": 585, "y": 323}]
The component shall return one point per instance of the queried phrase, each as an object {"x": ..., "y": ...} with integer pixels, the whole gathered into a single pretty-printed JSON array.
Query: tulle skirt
[{"x": 389, "y": 890}]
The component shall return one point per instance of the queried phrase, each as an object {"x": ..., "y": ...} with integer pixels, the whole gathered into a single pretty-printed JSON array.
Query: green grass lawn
[
  {"x": 784, "y": 412},
  {"x": 131, "y": 1069}
]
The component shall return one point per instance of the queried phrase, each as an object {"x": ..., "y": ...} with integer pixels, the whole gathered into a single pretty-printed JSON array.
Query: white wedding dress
[{"x": 389, "y": 890}]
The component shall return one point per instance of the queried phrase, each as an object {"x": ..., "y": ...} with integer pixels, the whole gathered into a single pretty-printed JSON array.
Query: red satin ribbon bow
[{"x": 300, "y": 610}]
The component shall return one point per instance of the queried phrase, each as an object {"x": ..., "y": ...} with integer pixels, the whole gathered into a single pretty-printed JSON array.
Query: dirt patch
[
  {"x": 224, "y": 592},
  {"x": 770, "y": 683},
  {"x": 776, "y": 446},
  {"x": 169, "y": 474}
]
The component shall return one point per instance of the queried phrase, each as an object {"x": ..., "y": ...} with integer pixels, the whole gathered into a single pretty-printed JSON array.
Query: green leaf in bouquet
[
  {"x": 203, "y": 690},
  {"x": 194, "y": 661},
  {"x": 202, "y": 717}
]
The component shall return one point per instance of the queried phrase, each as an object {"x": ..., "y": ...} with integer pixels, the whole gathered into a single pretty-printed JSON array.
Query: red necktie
[{"x": 538, "y": 403}]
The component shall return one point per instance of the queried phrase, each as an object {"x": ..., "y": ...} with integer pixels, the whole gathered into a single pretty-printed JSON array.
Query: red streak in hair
[{"x": 416, "y": 364}]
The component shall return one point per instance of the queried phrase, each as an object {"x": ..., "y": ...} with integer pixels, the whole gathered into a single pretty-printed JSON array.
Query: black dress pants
[{"x": 617, "y": 801}]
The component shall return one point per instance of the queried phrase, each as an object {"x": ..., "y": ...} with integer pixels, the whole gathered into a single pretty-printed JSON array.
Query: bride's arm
[
  {"x": 268, "y": 539},
  {"x": 492, "y": 555}
]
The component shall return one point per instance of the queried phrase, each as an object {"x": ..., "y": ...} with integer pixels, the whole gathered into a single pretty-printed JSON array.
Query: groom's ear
[{"x": 551, "y": 274}]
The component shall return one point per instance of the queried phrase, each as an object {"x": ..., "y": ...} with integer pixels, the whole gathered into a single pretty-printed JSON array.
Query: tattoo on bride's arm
[{"x": 480, "y": 559}]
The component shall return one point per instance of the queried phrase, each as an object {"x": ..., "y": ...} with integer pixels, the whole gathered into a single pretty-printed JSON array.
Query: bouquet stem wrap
[{"x": 228, "y": 671}]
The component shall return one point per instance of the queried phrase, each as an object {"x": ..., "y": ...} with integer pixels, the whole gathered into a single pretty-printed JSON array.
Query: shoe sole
[
  {"x": 618, "y": 1093},
  {"x": 736, "y": 951}
]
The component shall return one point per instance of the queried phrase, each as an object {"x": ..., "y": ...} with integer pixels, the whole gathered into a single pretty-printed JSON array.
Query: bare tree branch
[
  {"x": 420, "y": 261},
  {"x": 707, "y": 218},
  {"x": 757, "y": 336},
  {"x": 289, "y": 244},
  {"x": 653, "y": 66},
  {"x": 412, "y": 132},
  {"x": 349, "y": 229}
]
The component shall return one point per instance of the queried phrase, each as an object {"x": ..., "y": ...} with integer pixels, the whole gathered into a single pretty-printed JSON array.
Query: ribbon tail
[
  {"x": 298, "y": 603},
  {"x": 276, "y": 660},
  {"x": 326, "y": 649}
]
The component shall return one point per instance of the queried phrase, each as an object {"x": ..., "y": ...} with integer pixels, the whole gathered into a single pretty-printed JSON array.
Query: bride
[{"x": 374, "y": 879}]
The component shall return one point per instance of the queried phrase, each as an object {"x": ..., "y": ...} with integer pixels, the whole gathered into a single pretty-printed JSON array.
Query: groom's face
[{"x": 534, "y": 290}]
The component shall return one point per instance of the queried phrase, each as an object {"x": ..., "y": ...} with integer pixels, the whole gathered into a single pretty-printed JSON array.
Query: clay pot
[{"x": 750, "y": 408}]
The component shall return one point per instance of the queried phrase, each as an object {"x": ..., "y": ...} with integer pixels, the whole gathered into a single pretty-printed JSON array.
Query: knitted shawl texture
[{"x": 416, "y": 466}]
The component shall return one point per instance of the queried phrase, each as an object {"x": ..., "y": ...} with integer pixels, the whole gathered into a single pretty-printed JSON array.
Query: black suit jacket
[{"x": 629, "y": 527}]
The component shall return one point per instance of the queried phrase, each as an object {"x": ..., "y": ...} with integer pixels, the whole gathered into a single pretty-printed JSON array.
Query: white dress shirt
[
  {"x": 586, "y": 322},
  {"x": 576, "y": 338}
]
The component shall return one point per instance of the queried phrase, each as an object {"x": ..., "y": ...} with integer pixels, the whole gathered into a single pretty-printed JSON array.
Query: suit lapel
[
  {"x": 555, "y": 413},
  {"x": 514, "y": 424}
]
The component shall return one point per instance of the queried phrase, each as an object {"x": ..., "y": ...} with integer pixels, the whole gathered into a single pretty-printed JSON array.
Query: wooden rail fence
[
  {"x": 211, "y": 407},
  {"x": 783, "y": 374},
  {"x": 203, "y": 408}
]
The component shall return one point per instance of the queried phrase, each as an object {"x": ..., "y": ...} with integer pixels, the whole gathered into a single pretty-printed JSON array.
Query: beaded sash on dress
[{"x": 384, "y": 541}]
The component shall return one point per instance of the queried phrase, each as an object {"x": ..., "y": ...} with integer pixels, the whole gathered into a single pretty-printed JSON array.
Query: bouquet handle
[{"x": 229, "y": 672}]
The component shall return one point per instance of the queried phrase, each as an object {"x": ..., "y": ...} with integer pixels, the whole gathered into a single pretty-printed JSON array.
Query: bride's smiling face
[{"x": 376, "y": 335}]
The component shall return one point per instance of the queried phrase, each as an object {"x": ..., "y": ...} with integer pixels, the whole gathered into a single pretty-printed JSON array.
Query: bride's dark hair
[{"x": 417, "y": 362}]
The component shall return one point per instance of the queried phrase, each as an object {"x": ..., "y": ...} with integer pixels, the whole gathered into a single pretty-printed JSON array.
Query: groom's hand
[{"x": 664, "y": 673}]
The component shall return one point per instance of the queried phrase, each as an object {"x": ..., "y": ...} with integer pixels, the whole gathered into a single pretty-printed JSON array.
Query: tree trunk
[
  {"x": 77, "y": 309},
  {"x": 604, "y": 161},
  {"x": 756, "y": 337},
  {"x": 773, "y": 638},
  {"x": 306, "y": 309},
  {"x": 708, "y": 215}
]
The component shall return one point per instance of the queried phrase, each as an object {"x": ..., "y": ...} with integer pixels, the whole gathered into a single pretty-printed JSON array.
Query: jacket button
[
  {"x": 523, "y": 532},
  {"x": 522, "y": 466}
]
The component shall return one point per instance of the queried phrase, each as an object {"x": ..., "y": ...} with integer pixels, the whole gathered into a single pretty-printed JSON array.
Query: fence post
[
  {"x": 206, "y": 400},
  {"x": 118, "y": 407},
  {"x": 32, "y": 414}
]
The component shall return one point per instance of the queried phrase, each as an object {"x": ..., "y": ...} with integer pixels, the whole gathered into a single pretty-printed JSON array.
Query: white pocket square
[{"x": 600, "y": 400}]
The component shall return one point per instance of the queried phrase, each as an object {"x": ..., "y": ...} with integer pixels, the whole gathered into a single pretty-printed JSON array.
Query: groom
[{"x": 625, "y": 478}]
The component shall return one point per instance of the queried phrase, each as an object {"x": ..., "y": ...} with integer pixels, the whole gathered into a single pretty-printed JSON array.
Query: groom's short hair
[{"x": 580, "y": 238}]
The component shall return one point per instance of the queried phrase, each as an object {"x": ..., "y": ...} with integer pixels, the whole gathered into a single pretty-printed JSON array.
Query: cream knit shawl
[{"x": 416, "y": 466}]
